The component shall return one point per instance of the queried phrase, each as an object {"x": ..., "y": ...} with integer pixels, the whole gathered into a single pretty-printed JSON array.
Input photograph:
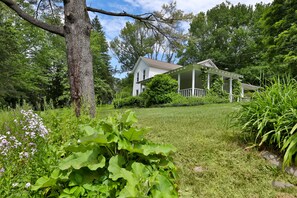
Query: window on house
[
  {"x": 144, "y": 74},
  {"x": 137, "y": 77},
  {"x": 137, "y": 92}
]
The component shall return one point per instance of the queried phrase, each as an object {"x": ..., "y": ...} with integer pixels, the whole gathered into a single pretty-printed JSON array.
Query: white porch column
[
  {"x": 208, "y": 81},
  {"x": 193, "y": 82},
  {"x": 178, "y": 81},
  {"x": 242, "y": 92},
  {"x": 230, "y": 90}
]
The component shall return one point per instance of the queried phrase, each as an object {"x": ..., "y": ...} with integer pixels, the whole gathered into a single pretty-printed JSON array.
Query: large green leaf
[
  {"x": 134, "y": 134},
  {"x": 164, "y": 188},
  {"x": 116, "y": 170},
  {"x": 90, "y": 130},
  {"x": 43, "y": 182},
  {"x": 164, "y": 149},
  {"x": 129, "y": 118},
  {"x": 95, "y": 138},
  {"x": 146, "y": 149},
  {"x": 79, "y": 147},
  {"x": 90, "y": 159}
]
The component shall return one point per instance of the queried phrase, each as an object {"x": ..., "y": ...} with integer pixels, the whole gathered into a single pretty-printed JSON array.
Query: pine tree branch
[
  {"x": 51, "y": 28},
  {"x": 140, "y": 17}
]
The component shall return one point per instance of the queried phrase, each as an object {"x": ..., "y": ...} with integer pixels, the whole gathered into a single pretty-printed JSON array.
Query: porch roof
[
  {"x": 199, "y": 67},
  {"x": 250, "y": 87}
]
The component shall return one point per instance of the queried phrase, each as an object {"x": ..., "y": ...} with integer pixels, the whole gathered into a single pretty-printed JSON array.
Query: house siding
[
  {"x": 140, "y": 68},
  {"x": 155, "y": 71},
  {"x": 149, "y": 72}
]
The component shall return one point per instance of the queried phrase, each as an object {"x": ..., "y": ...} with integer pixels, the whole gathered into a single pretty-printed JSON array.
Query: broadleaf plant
[{"x": 112, "y": 160}]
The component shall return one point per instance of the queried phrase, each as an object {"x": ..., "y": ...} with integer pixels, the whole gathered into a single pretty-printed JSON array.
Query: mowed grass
[{"x": 204, "y": 139}]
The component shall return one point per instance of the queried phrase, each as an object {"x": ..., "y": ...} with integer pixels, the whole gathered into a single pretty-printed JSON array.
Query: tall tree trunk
[{"x": 77, "y": 35}]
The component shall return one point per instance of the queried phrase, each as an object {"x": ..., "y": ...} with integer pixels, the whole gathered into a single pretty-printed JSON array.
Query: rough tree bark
[{"x": 77, "y": 35}]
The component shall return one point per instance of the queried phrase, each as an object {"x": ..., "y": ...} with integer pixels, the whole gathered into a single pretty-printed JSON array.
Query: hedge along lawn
[{"x": 203, "y": 139}]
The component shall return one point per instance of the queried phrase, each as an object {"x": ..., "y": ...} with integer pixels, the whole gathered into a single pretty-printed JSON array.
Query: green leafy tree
[
  {"x": 280, "y": 30},
  {"x": 227, "y": 34},
  {"x": 103, "y": 80},
  {"x": 134, "y": 41},
  {"x": 26, "y": 68}
]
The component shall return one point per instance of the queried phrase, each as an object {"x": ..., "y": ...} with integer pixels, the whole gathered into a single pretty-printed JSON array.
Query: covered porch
[{"x": 195, "y": 80}]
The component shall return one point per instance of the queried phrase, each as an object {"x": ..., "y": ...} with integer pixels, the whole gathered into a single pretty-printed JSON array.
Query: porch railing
[{"x": 188, "y": 92}]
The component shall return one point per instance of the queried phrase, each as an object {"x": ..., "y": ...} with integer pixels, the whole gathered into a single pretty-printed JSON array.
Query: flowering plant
[{"x": 22, "y": 145}]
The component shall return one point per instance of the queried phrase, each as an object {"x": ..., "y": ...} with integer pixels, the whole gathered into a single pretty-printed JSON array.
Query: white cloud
[
  {"x": 194, "y": 6},
  {"x": 112, "y": 26},
  {"x": 147, "y": 5}
]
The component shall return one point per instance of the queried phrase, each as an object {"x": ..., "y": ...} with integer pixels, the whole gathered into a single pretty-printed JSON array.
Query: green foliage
[
  {"x": 124, "y": 86},
  {"x": 203, "y": 77},
  {"x": 179, "y": 100},
  {"x": 257, "y": 75},
  {"x": 226, "y": 33},
  {"x": 32, "y": 62},
  {"x": 236, "y": 89},
  {"x": 134, "y": 41},
  {"x": 158, "y": 90},
  {"x": 217, "y": 87},
  {"x": 112, "y": 159},
  {"x": 131, "y": 101},
  {"x": 103, "y": 80},
  {"x": 280, "y": 28},
  {"x": 270, "y": 118}
]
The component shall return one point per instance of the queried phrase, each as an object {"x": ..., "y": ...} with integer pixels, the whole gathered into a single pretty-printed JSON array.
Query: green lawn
[{"x": 203, "y": 139}]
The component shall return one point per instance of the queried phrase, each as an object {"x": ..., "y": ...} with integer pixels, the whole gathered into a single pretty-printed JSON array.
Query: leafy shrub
[
  {"x": 158, "y": 88},
  {"x": 132, "y": 101},
  {"x": 179, "y": 100},
  {"x": 270, "y": 118},
  {"x": 112, "y": 160}
]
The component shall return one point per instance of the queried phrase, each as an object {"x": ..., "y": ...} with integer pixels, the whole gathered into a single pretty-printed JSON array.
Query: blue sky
[{"x": 113, "y": 25}]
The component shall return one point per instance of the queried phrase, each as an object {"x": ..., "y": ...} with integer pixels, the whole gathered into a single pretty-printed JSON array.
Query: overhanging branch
[
  {"x": 51, "y": 28},
  {"x": 140, "y": 17}
]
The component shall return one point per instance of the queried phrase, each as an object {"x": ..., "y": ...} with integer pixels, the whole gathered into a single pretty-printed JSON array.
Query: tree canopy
[{"x": 227, "y": 34}]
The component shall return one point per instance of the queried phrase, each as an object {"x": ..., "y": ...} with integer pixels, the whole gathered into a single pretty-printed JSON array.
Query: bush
[
  {"x": 270, "y": 118},
  {"x": 158, "y": 90},
  {"x": 112, "y": 160},
  {"x": 179, "y": 100},
  {"x": 132, "y": 101}
]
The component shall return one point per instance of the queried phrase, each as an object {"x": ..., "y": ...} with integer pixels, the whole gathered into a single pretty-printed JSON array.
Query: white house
[{"x": 188, "y": 77}]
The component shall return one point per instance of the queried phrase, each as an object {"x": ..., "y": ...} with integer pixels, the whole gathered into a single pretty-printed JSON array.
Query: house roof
[
  {"x": 175, "y": 69},
  {"x": 250, "y": 87},
  {"x": 156, "y": 64},
  {"x": 208, "y": 63}
]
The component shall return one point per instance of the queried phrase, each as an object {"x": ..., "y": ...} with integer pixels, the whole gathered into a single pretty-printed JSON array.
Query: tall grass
[{"x": 270, "y": 118}]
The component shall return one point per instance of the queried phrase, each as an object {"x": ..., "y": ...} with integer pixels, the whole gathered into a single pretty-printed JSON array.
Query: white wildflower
[{"x": 27, "y": 185}]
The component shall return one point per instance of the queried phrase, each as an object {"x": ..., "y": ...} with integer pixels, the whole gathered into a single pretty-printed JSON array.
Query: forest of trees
[{"x": 259, "y": 42}]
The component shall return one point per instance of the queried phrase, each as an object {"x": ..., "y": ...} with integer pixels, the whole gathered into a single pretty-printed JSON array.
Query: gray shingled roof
[{"x": 160, "y": 64}]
